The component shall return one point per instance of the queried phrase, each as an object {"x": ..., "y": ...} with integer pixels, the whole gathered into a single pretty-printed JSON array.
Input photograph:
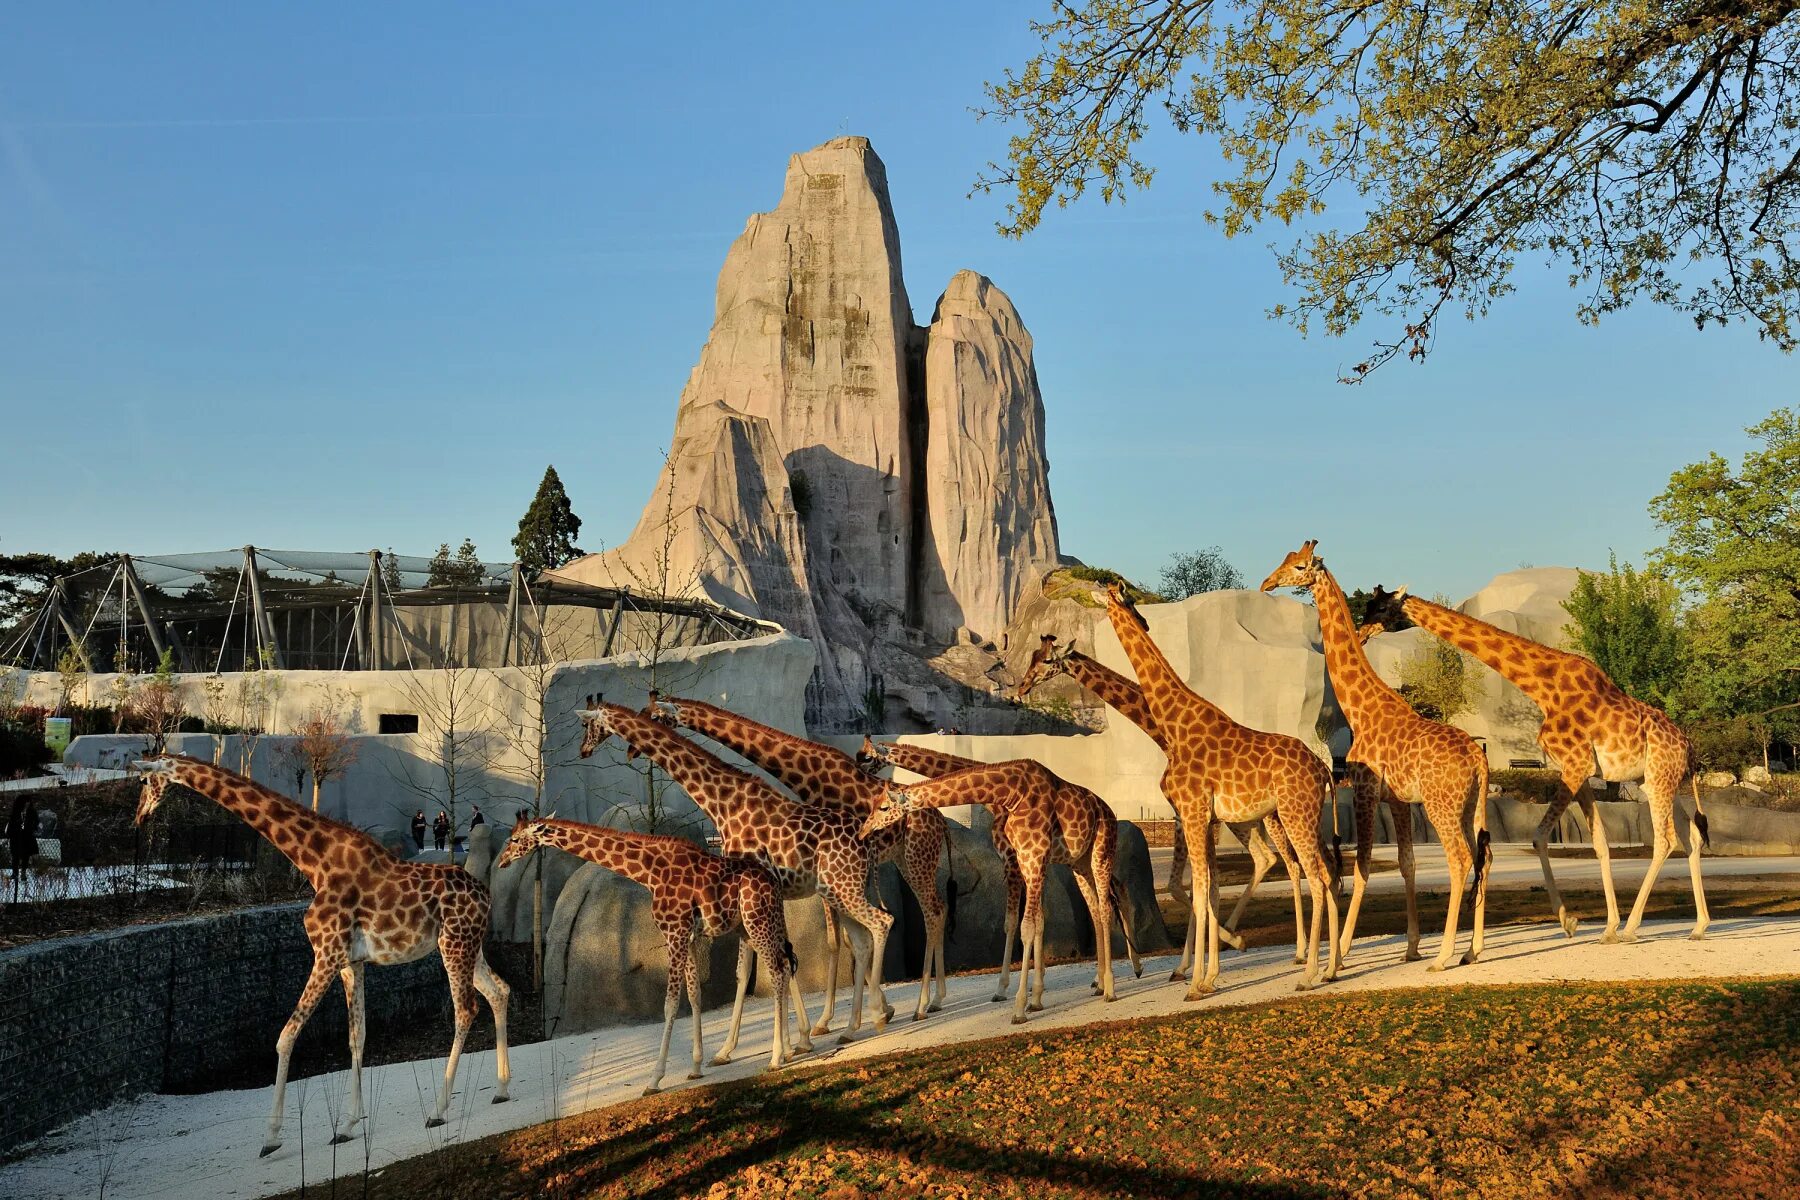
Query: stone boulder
[
  {"x": 512, "y": 887},
  {"x": 480, "y": 860},
  {"x": 398, "y": 842},
  {"x": 806, "y": 931},
  {"x": 992, "y": 527},
  {"x": 605, "y": 962},
  {"x": 1143, "y": 914}
]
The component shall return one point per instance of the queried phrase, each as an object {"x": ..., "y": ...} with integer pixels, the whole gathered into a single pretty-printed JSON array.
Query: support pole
[
  {"x": 373, "y": 629},
  {"x": 62, "y": 616},
  {"x": 265, "y": 626},
  {"x": 612, "y": 628},
  {"x": 136, "y": 587},
  {"x": 511, "y": 640}
]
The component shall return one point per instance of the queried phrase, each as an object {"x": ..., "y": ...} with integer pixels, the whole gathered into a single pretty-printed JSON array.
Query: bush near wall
[{"x": 1539, "y": 785}]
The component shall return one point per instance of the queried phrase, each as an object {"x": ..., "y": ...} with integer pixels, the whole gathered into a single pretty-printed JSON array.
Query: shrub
[
  {"x": 1540, "y": 785},
  {"x": 1103, "y": 576},
  {"x": 1726, "y": 745}
]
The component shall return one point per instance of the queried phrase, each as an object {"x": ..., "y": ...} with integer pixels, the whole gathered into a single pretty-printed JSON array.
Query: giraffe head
[
  {"x": 895, "y": 804},
  {"x": 1384, "y": 611},
  {"x": 1298, "y": 570},
  {"x": 1047, "y": 662},
  {"x": 871, "y": 756},
  {"x": 158, "y": 774},
  {"x": 594, "y": 728},
  {"x": 526, "y": 837},
  {"x": 1117, "y": 597},
  {"x": 662, "y": 710}
]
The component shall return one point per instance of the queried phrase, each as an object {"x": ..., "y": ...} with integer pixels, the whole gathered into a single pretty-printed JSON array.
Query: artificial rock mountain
[{"x": 877, "y": 487}]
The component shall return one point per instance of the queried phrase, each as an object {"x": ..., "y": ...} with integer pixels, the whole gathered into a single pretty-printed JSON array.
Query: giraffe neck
[
  {"x": 1363, "y": 695},
  {"x": 1532, "y": 667},
  {"x": 922, "y": 760},
  {"x": 633, "y": 855},
  {"x": 1118, "y": 692},
  {"x": 976, "y": 784},
  {"x": 304, "y": 837},
  {"x": 1166, "y": 694},
  {"x": 718, "y": 789},
  {"x": 812, "y": 770}
]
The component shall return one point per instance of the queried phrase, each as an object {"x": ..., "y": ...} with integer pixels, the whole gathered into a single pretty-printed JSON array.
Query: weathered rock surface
[
  {"x": 867, "y": 485},
  {"x": 605, "y": 962},
  {"x": 991, "y": 525},
  {"x": 512, "y": 887},
  {"x": 1143, "y": 915}
]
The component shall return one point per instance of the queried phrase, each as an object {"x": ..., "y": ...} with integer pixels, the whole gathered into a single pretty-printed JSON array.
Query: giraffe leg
[
  {"x": 1603, "y": 853},
  {"x": 1662, "y": 827},
  {"x": 1015, "y": 906},
  {"x": 1702, "y": 917},
  {"x": 918, "y": 867},
  {"x": 1456, "y": 850},
  {"x": 323, "y": 968},
  {"x": 834, "y": 935},
  {"x": 737, "y": 1006},
  {"x": 693, "y": 991},
  {"x": 1363, "y": 787},
  {"x": 460, "y": 967},
  {"x": 1324, "y": 902},
  {"x": 1212, "y": 925},
  {"x": 1541, "y": 840},
  {"x": 1261, "y": 859},
  {"x": 352, "y": 976},
  {"x": 1475, "y": 829},
  {"x": 1284, "y": 848},
  {"x": 498, "y": 995},
  {"x": 1030, "y": 938},
  {"x": 1401, "y": 811},
  {"x": 1203, "y": 899},
  {"x": 1187, "y": 946},
  {"x": 1101, "y": 914},
  {"x": 678, "y": 953},
  {"x": 802, "y": 1042},
  {"x": 1038, "y": 967}
]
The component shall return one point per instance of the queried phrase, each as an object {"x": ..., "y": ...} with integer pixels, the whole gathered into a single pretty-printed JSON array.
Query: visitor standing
[
  {"x": 477, "y": 819},
  {"x": 440, "y": 828},
  {"x": 418, "y": 828},
  {"x": 21, "y": 839}
]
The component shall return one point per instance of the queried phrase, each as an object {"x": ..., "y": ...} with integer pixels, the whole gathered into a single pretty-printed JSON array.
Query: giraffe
[
  {"x": 1589, "y": 723},
  {"x": 367, "y": 907},
  {"x": 825, "y": 775},
  {"x": 693, "y": 893},
  {"x": 1221, "y": 770},
  {"x": 812, "y": 850},
  {"x": 1403, "y": 756},
  {"x": 1124, "y": 696},
  {"x": 1047, "y": 820},
  {"x": 930, "y": 764}
]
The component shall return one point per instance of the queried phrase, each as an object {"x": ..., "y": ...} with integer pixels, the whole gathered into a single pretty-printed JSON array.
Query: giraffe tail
[
  {"x": 793, "y": 961},
  {"x": 1483, "y": 840},
  {"x": 1699, "y": 816},
  {"x": 950, "y": 891},
  {"x": 1118, "y": 896}
]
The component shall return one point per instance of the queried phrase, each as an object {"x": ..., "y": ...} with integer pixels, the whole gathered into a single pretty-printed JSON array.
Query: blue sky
[{"x": 335, "y": 276}]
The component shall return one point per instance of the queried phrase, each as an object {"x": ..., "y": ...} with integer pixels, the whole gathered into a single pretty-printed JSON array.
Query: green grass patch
[{"x": 1668, "y": 1089}]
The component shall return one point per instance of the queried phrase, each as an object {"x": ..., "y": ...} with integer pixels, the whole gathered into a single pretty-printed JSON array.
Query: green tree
[
  {"x": 1734, "y": 542},
  {"x": 1439, "y": 682},
  {"x": 1198, "y": 571},
  {"x": 1623, "y": 139},
  {"x": 1630, "y": 624},
  {"x": 390, "y": 570},
  {"x": 547, "y": 531},
  {"x": 460, "y": 570}
]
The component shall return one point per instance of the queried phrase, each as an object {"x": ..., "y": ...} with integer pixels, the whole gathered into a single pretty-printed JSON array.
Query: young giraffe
[
  {"x": 692, "y": 893},
  {"x": 1403, "y": 755},
  {"x": 819, "y": 774},
  {"x": 1221, "y": 770},
  {"x": 812, "y": 850},
  {"x": 1124, "y": 697},
  {"x": 368, "y": 907},
  {"x": 930, "y": 764},
  {"x": 1047, "y": 820},
  {"x": 1588, "y": 722}
]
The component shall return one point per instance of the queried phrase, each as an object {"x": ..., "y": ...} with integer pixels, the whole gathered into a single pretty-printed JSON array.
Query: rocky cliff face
[{"x": 867, "y": 484}]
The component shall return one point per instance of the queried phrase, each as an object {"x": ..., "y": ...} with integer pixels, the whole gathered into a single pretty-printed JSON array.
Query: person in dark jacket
[
  {"x": 440, "y": 828},
  {"x": 477, "y": 819},
  {"x": 21, "y": 840},
  {"x": 418, "y": 828}
]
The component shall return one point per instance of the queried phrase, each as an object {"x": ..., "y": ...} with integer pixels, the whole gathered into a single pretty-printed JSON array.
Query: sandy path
[{"x": 179, "y": 1146}]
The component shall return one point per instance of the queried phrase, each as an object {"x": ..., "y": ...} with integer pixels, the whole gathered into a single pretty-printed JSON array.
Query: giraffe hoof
[
  {"x": 803, "y": 1047},
  {"x": 1199, "y": 991},
  {"x": 269, "y": 1149},
  {"x": 1177, "y": 976},
  {"x": 501, "y": 1099},
  {"x": 1436, "y": 967},
  {"x": 920, "y": 1016},
  {"x": 934, "y": 1006},
  {"x": 338, "y": 1139},
  {"x": 1610, "y": 937},
  {"x": 1137, "y": 970},
  {"x": 844, "y": 1039},
  {"x": 998, "y": 997},
  {"x": 652, "y": 1090},
  {"x": 1018, "y": 1019},
  {"x": 1035, "y": 1006},
  {"x": 821, "y": 1029},
  {"x": 1412, "y": 955},
  {"x": 1299, "y": 959},
  {"x": 434, "y": 1122},
  {"x": 721, "y": 1059},
  {"x": 1470, "y": 958},
  {"x": 1569, "y": 925},
  {"x": 1307, "y": 984},
  {"x": 1699, "y": 935},
  {"x": 696, "y": 1075},
  {"x": 1628, "y": 937}
]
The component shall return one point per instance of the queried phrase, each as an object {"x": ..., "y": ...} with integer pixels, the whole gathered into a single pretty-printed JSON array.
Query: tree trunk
[
  {"x": 315, "y": 791},
  {"x": 537, "y": 924}
]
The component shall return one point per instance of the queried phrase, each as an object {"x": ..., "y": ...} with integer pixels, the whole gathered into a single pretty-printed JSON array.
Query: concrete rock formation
[{"x": 862, "y": 482}]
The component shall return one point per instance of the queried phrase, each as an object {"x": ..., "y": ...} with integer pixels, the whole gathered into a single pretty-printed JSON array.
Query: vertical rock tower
[{"x": 836, "y": 469}]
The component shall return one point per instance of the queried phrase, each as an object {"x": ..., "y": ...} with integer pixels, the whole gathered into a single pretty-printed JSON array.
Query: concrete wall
[
  {"x": 96, "y": 1019},
  {"x": 494, "y": 713}
]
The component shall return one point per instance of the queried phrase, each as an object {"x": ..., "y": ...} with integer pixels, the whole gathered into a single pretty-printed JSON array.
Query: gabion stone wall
[{"x": 99, "y": 1018}]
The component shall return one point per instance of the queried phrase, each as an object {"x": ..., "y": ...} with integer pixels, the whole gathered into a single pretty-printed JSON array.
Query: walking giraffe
[
  {"x": 930, "y": 764},
  {"x": 813, "y": 850},
  {"x": 1266, "y": 841},
  {"x": 1221, "y": 770},
  {"x": 1589, "y": 723},
  {"x": 1047, "y": 819},
  {"x": 692, "y": 893},
  {"x": 825, "y": 775},
  {"x": 367, "y": 907},
  {"x": 1404, "y": 755}
]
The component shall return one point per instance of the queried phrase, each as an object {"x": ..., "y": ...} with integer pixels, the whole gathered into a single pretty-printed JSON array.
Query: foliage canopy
[{"x": 1652, "y": 148}]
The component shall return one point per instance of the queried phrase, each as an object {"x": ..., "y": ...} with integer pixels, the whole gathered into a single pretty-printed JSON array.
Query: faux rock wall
[{"x": 101, "y": 1018}]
